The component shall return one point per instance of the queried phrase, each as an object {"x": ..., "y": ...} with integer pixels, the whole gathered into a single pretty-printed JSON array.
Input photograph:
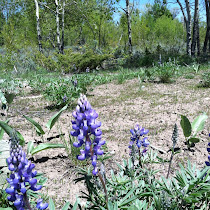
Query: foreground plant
[
  {"x": 174, "y": 138},
  {"x": 137, "y": 134},
  {"x": 88, "y": 133},
  {"x": 190, "y": 130},
  {"x": 22, "y": 178},
  {"x": 208, "y": 150}
]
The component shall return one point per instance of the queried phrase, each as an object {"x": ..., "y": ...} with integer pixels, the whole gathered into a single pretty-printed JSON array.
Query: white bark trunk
[
  {"x": 129, "y": 26},
  {"x": 188, "y": 27},
  {"x": 63, "y": 25},
  {"x": 207, "y": 37},
  {"x": 195, "y": 38},
  {"x": 57, "y": 26},
  {"x": 187, "y": 21},
  {"x": 38, "y": 26}
]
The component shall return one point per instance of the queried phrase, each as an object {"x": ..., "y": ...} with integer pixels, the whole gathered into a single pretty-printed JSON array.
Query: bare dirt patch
[{"x": 120, "y": 106}]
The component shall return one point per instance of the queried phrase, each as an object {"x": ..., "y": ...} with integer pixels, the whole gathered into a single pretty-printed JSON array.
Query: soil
[{"x": 155, "y": 106}]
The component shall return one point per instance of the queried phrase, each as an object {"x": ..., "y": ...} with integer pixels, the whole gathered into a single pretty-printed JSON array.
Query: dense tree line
[{"x": 58, "y": 24}]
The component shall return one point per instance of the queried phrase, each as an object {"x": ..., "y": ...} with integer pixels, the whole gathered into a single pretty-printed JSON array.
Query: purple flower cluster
[
  {"x": 208, "y": 150},
  {"x": 87, "y": 131},
  {"x": 21, "y": 178},
  {"x": 137, "y": 133}
]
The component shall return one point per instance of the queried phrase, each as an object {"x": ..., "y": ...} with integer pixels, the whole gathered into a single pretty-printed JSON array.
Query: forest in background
[{"x": 75, "y": 35}]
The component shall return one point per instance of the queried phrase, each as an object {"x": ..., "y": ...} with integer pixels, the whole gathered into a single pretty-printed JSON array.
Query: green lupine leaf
[
  {"x": 45, "y": 146},
  {"x": 1, "y": 133},
  {"x": 198, "y": 123},
  {"x": 38, "y": 127},
  {"x": 194, "y": 140},
  {"x": 10, "y": 131},
  {"x": 54, "y": 119},
  {"x": 66, "y": 207},
  {"x": 30, "y": 147},
  {"x": 51, "y": 204},
  {"x": 2, "y": 130},
  {"x": 186, "y": 126},
  {"x": 128, "y": 201}
]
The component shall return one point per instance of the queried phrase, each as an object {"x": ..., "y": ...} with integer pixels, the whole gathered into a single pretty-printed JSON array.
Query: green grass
[{"x": 54, "y": 85}]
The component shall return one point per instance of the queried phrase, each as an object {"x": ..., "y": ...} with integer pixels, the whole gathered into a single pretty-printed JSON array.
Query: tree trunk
[
  {"x": 195, "y": 29},
  {"x": 63, "y": 25},
  {"x": 129, "y": 26},
  {"x": 38, "y": 25},
  {"x": 187, "y": 21},
  {"x": 207, "y": 37},
  {"x": 58, "y": 26},
  {"x": 99, "y": 34},
  {"x": 198, "y": 41},
  {"x": 188, "y": 27}
]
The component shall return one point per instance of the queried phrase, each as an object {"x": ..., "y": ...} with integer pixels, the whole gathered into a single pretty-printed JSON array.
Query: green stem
[
  {"x": 140, "y": 163},
  {"x": 169, "y": 168}
]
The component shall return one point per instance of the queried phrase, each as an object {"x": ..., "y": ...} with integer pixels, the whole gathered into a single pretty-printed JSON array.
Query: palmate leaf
[
  {"x": 198, "y": 123},
  {"x": 54, "y": 119},
  {"x": 10, "y": 131},
  {"x": 186, "y": 126},
  {"x": 45, "y": 146},
  {"x": 38, "y": 127}
]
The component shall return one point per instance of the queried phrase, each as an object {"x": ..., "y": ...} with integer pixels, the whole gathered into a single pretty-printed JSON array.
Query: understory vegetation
[{"x": 60, "y": 52}]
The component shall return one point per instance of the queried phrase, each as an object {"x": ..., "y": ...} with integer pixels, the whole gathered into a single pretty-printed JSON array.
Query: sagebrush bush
[
  {"x": 79, "y": 62},
  {"x": 205, "y": 82},
  {"x": 46, "y": 62},
  {"x": 166, "y": 71}
]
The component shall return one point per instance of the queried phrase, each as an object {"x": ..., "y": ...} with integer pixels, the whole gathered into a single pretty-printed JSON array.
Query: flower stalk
[
  {"x": 22, "y": 177},
  {"x": 174, "y": 138}
]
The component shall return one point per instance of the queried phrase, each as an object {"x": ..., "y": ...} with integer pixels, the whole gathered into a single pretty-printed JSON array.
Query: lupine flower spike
[
  {"x": 88, "y": 132},
  {"x": 21, "y": 178},
  {"x": 137, "y": 134},
  {"x": 174, "y": 138},
  {"x": 208, "y": 150}
]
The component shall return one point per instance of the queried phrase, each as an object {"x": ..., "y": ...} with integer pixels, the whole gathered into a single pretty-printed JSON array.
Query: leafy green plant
[
  {"x": 79, "y": 62},
  {"x": 190, "y": 130},
  {"x": 205, "y": 82},
  {"x": 66, "y": 206},
  {"x": 188, "y": 189},
  {"x": 166, "y": 71},
  {"x": 43, "y": 146},
  {"x": 10, "y": 131}
]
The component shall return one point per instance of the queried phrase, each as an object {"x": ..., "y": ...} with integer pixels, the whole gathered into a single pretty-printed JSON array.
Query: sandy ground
[{"x": 156, "y": 107}]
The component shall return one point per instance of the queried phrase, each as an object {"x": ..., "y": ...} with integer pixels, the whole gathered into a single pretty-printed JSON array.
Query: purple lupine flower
[
  {"x": 208, "y": 150},
  {"x": 87, "y": 70},
  {"x": 74, "y": 82},
  {"x": 137, "y": 133},
  {"x": 88, "y": 132},
  {"x": 21, "y": 177},
  {"x": 64, "y": 98}
]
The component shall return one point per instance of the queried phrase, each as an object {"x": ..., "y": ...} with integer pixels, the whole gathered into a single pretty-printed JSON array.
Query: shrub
[
  {"x": 46, "y": 62},
  {"x": 80, "y": 62},
  {"x": 166, "y": 71},
  {"x": 205, "y": 80}
]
